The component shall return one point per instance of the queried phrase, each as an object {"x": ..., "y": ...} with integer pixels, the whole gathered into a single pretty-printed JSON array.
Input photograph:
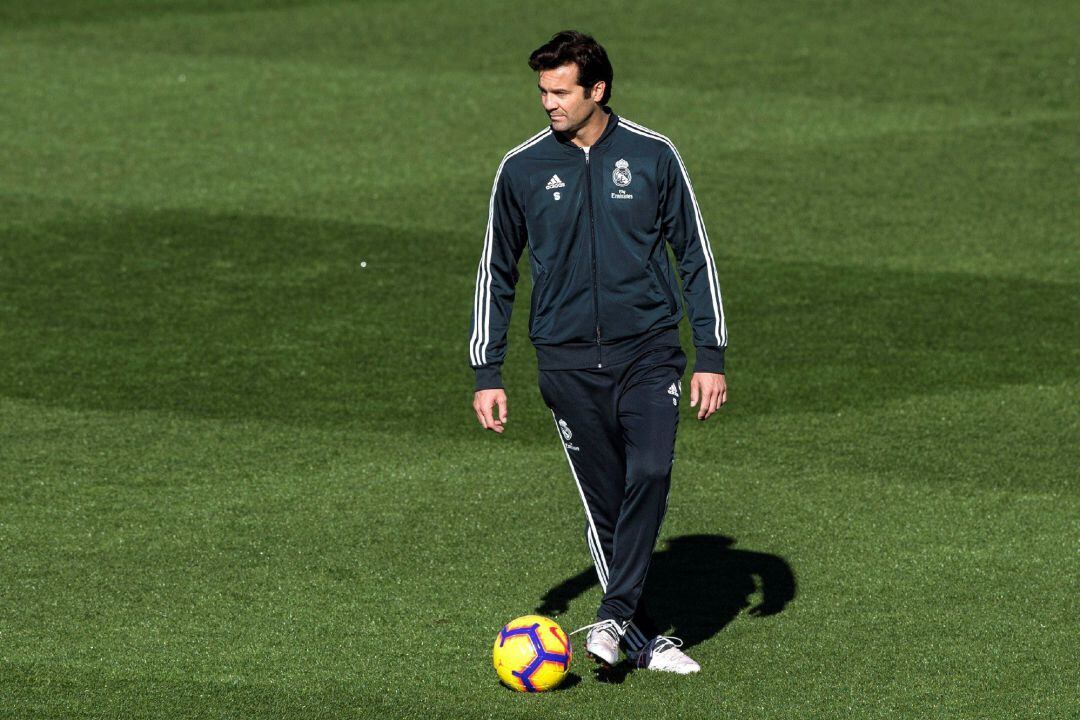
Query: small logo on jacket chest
[
  {"x": 621, "y": 177},
  {"x": 621, "y": 174},
  {"x": 553, "y": 184}
]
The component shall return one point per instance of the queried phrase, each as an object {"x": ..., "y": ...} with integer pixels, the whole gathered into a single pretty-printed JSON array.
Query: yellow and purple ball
[{"x": 532, "y": 654}]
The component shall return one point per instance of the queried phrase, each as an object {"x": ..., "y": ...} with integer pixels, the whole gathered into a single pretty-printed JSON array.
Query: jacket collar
[{"x": 613, "y": 121}]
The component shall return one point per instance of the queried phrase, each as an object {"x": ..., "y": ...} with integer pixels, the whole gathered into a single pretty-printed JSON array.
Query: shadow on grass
[
  {"x": 696, "y": 585},
  {"x": 260, "y": 317},
  {"x": 66, "y": 12},
  {"x": 572, "y": 679}
]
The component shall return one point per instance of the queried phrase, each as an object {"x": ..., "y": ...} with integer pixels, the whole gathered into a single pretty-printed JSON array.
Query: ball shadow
[{"x": 568, "y": 682}]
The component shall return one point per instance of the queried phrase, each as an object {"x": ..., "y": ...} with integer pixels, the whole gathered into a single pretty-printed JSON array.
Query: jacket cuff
[
  {"x": 710, "y": 359},
  {"x": 489, "y": 377}
]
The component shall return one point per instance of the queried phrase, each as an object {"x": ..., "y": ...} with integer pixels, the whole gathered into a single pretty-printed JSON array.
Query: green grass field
[{"x": 239, "y": 471}]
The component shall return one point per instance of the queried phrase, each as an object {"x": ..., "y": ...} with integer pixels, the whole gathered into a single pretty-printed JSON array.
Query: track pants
[{"x": 617, "y": 425}]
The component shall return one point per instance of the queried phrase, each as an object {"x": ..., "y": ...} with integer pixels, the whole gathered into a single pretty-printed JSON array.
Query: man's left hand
[{"x": 711, "y": 390}]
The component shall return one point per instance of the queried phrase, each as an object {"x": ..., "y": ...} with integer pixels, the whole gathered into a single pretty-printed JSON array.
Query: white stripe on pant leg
[
  {"x": 600, "y": 574},
  {"x": 642, "y": 640},
  {"x": 635, "y": 639},
  {"x": 598, "y": 555}
]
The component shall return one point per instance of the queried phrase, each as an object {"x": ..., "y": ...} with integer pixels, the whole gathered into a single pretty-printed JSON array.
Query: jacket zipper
[{"x": 592, "y": 250}]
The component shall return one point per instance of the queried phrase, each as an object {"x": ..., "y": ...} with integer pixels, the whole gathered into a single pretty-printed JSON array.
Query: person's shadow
[{"x": 696, "y": 585}]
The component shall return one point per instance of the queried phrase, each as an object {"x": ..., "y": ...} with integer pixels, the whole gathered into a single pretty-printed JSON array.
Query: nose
[{"x": 548, "y": 102}]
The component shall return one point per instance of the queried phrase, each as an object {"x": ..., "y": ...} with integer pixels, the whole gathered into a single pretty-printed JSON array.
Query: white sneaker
[
  {"x": 663, "y": 653},
  {"x": 602, "y": 642}
]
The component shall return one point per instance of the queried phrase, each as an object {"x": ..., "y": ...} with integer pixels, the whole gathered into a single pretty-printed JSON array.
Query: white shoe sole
[
  {"x": 599, "y": 659},
  {"x": 677, "y": 671}
]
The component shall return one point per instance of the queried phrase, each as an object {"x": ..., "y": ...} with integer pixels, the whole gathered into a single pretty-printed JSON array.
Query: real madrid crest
[{"x": 621, "y": 174}]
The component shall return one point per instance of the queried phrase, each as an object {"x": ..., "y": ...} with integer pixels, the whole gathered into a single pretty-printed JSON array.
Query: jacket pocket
[
  {"x": 658, "y": 274},
  {"x": 537, "y": 304}
]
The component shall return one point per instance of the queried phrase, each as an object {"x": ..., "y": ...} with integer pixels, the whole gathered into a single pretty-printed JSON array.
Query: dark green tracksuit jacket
[{"x": 595, "y": 224}]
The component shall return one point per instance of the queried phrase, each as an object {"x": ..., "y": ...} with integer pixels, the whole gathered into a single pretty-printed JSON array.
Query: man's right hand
[{"x": 482, "y": 402}]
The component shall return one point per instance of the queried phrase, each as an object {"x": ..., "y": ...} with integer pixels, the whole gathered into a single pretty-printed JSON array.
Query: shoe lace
[
  {"x": 609, "y": 626},
  {"x": 665, "y": 642}
]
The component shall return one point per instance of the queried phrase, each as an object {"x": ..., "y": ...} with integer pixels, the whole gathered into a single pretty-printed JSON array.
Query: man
[{"x": 595, "y": 197}]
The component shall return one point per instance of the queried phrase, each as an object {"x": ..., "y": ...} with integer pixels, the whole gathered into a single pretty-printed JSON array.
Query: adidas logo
[
  {"x": 673, "y": 390},
  {"x": 554, "y": 182}
]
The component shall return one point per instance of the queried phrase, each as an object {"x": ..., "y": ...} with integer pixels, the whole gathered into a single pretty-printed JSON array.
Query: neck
[{"x": 590, "y": 132}]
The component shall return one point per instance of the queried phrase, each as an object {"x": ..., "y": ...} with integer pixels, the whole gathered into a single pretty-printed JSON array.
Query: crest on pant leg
[{"x": 566, "y": 433}]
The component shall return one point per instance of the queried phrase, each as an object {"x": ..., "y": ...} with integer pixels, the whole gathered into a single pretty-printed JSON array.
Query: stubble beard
[{"x": 568, "y": 129}]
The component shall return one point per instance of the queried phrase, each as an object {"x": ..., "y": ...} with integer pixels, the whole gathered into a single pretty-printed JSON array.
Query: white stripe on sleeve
[
  {"x": 719, "y": 326},
  {"x": 481, "y": 335}
]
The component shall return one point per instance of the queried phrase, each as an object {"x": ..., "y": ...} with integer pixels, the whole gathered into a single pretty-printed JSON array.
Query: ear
[{"x": 598, "y": 91}]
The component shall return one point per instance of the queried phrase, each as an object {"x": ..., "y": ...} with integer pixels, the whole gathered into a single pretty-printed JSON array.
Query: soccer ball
[{"x": 532, "y": 654}]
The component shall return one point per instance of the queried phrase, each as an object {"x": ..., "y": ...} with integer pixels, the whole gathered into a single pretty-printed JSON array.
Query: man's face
[{"x": 568, "y": 104}]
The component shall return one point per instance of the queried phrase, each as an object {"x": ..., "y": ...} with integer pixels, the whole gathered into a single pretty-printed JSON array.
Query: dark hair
[{"x": 570, "y": 46}]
